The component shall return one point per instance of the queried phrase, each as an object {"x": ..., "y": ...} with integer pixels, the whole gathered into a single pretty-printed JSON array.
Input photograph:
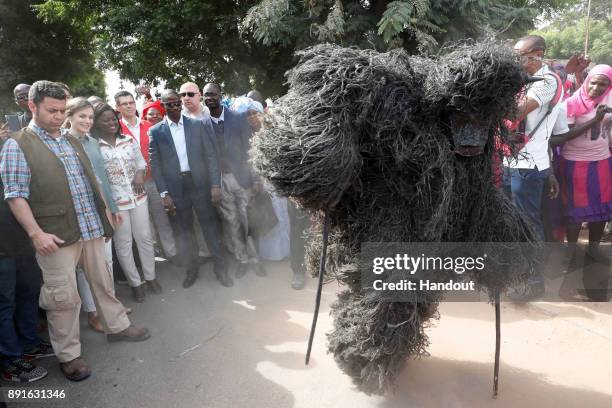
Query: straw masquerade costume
[{"x": 387, "y": 147}]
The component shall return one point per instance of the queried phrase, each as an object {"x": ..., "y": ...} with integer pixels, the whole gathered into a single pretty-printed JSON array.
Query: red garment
[
  {"x": 155, "y": 104},
  {"x": 143, "y": 142}
]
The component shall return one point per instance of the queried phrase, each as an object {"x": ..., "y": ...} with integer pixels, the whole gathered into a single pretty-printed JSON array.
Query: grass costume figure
[{"x": 394, "y": 148}]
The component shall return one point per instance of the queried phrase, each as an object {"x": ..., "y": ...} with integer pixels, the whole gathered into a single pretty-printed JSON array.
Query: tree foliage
[
  {"x": 246, "y": 43},
  {"x": 566, "y": 35},
  {"x": 384, "y": 24},
  {"x": 32, "y": 49},
  {"x": 176, "y": 41}
]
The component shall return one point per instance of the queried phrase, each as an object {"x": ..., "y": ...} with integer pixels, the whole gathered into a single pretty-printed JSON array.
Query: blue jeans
[
  {"x": 20, "y": 281},
  {"x": 525, "y": 187}
]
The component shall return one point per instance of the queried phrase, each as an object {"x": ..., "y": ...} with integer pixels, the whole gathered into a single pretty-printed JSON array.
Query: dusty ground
[{"x": 244, "y": 347}]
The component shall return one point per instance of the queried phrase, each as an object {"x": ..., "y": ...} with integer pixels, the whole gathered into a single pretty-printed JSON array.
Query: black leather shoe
[
  {"x": 224, "y": 278},
  {"x": 190, "y": 279}
]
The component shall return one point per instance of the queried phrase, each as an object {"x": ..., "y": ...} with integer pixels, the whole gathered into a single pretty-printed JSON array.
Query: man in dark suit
[
  {"x": 186, "y": 171},
  {"x": 232, "y": 135}
]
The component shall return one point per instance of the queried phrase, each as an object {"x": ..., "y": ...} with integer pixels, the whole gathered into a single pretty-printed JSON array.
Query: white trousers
[{"x": 135, "y": 226}]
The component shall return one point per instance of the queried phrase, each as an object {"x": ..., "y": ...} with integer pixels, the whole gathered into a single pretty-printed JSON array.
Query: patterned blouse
[{"x": 122, "y": 162}]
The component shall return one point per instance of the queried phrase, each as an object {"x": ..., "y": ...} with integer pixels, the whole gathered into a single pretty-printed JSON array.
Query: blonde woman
[{"x": 79, "y": 118}]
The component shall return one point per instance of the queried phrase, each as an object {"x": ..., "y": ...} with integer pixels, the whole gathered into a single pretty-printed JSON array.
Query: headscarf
[
  {"x": 243, "y": 104},
  {"x": 581, "y": 103},
  {"x": 157, "y": 105}
]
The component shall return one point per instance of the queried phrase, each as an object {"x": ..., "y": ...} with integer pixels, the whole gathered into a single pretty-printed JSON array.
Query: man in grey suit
[
  {"x": 232, "y": 137},
  {"x": 186, "y": 172}
]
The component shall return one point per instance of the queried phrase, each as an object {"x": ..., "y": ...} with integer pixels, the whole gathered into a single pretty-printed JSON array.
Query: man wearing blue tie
[{"x": 186, "y": 172}]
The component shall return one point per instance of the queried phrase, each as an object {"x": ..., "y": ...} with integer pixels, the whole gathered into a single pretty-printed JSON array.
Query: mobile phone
[{"x": 13, "y": 122}]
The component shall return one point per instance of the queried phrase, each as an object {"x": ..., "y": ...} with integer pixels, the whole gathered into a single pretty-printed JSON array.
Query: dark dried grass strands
[{"x": 369, "y": 138}]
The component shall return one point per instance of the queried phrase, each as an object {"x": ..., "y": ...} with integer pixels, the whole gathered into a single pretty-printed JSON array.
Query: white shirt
[
  {"x": 221, "y": 117},
  {"x": 535, "y": 151},
  {"x": 134, "y": 130},
  {"x": 562, "y": 123},
  {"x": 178, "y": 137}
]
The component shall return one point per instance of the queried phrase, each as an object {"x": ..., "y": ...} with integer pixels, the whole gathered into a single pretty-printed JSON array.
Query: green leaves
[
  {"x": 565, "y": 42},
  {"x": 270, "y": 22},
  {"x": 334, "y": 26},
  {"x": 250, "y": 43},
  {"x": 46, "y": 40},
  {"x": 408, "y": 16}
]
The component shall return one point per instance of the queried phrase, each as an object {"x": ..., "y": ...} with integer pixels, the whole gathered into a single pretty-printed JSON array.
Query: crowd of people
[
  {"x": 562, "y": 178},
  {"x": 93, "y": 193}
]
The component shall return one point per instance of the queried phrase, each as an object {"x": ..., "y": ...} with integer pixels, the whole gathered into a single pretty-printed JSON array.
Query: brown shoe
[
  {"x": 132, "y": 334},
  {"x": 94, "y": 322},
  {"x": 138, "y": 294},
  {"x": 75, "y": 370},
  {"x": 154, "y": 286}
]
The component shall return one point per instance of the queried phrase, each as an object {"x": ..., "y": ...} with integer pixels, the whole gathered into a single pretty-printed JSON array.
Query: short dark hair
[
  {"x": 46, "y": 89},
  {"x": 169, "y": 92},
  {"x": 99, "y": 109},
  {"x": 63, "y": 85},
  {"x": 121, "y": 94},
  {"x": 538, "y": 43},
  {"x": 215, "y": 85},
  {"x": 25, "y": 87}
]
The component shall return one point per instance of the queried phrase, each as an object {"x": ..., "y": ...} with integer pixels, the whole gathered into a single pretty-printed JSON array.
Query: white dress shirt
[
  {"x": 134, "y": 130},
  {"x": 178, "y": 137},
  {"x": 220, "y": 118}
]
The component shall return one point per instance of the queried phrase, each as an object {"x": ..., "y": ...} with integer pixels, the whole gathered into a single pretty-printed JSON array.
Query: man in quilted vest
[{"x": 52, "y": 191}]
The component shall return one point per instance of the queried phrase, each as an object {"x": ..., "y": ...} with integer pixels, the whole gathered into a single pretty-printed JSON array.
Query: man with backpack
[{"x": 526, "y": 177}]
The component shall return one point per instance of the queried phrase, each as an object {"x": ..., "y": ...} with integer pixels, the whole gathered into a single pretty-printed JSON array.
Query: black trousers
[{"x": 182, "y": 223}]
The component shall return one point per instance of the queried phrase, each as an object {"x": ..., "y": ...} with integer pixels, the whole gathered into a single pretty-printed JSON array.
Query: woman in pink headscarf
[{"x": 586, "y": 165}]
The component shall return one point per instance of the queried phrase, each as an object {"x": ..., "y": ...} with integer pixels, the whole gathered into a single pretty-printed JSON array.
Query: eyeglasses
[
  {"x": 172, "y": 104},
  {"x": 21, "y": 98},
  {"x": 189, "y": 94},
  {"x": 530, "y": 58},
  {"x": 127, "y": 103}
]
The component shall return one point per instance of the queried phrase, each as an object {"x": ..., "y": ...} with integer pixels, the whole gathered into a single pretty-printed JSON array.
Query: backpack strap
[{"x": 551, "y": 105}]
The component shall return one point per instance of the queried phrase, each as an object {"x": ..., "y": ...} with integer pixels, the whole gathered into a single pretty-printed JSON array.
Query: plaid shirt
[{"x": 16, "y": 176}]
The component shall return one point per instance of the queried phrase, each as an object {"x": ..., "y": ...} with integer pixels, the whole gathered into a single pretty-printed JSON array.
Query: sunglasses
[
  {"x": 172, "y": 105},
  {"x": 189, "y": 94},
  {"x": 530, "y": 58}
]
